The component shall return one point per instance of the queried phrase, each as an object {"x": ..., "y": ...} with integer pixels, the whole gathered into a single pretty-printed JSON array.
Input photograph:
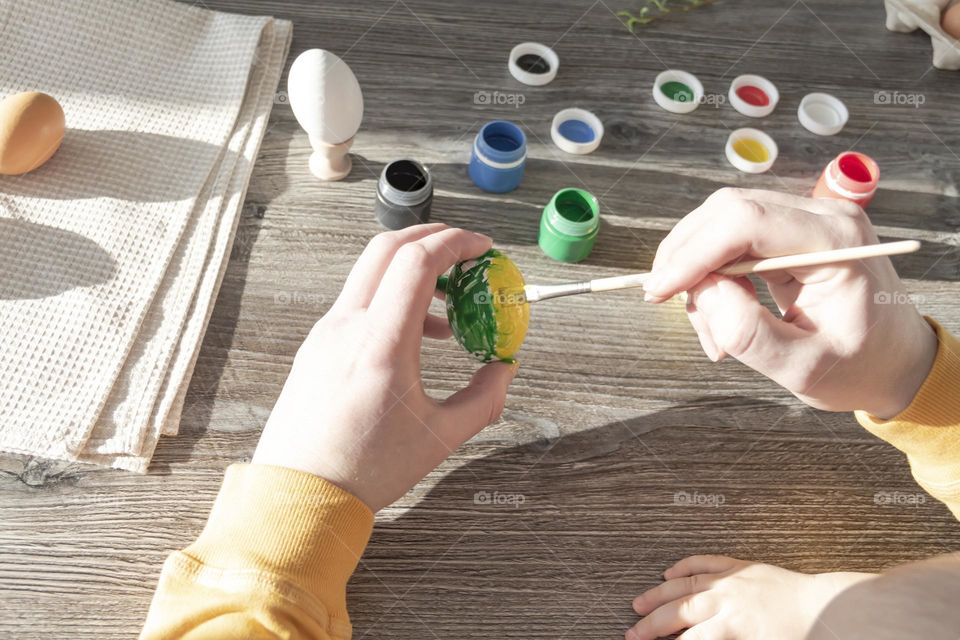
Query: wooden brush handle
[
  {"x": 822, "y": 257},
  {"x": 545, "y": 292},
  {"x": 774, "y": 264}
]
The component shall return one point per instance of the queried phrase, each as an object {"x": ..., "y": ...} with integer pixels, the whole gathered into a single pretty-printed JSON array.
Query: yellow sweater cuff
[
  {"x": 292, "y": 525},
  {"x": 928, "y": 430}
]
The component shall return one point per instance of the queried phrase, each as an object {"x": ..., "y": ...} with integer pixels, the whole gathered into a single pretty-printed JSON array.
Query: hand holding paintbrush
[
  {"x": 847, "y": 335},
  {"x": 837, "y": 343}
]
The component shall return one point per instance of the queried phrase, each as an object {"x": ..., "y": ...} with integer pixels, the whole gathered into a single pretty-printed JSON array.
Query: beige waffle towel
[{"x": 111, "y": 254}]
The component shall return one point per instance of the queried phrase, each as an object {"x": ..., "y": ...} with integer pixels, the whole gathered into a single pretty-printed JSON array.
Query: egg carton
[{"x": 908, "y": 15}]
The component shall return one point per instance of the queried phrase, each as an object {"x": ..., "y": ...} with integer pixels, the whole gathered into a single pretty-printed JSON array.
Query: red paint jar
[{"x": 850, "y": 176}]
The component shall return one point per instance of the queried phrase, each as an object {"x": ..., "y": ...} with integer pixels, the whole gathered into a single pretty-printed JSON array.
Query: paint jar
[
  {"x": 751, "y": 150},
  {"x": 499, "y": 156},
  {"x": 404, "y": 194},
  {"x": 533, "y": 63},
  {"x": 822, "y": 114},
  {"x": 677, "y": 91},
  {"x": 850, "y": 176},
  {"x": 569, "y": 225},
  {"x": 753, "y": 96},
  {"x": 576, "y": 131}
]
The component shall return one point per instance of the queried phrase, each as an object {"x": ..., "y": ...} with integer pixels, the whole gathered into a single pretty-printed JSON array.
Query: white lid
[
  {"x": 744, "y": 164},
  {"x": 582, "y": 116},
  {"x": 677, "y": 106},
  {"x": 536, "y": 49},
  {"x": 746, "y": 108},
  {"x": 822, "y": 114}
]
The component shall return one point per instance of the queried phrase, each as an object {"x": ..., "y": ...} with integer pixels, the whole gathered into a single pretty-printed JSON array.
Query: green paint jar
[{"x": 569, "y": 225}]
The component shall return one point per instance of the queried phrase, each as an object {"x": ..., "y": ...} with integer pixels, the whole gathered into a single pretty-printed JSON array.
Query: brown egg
[
  {"x": 31, "y": 130},
  {"x": 951, "y": 21}
]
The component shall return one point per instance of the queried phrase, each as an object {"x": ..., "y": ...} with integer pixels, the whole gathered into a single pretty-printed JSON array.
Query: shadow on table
[
  {"x": 364, "y": 170},
  {"x": 514, "y": 217},
  {"x": 935, "y": 261},
  {"x": 929, "y": 212},
  {"x": 625, "y": 247},
  {"x": 557, "y": 536}
]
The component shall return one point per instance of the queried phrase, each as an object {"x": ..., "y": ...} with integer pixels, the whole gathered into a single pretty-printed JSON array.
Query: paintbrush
[{"x": 538, "y": 292}]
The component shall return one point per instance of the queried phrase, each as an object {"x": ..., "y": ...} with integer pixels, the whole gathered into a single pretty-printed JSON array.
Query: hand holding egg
[{"x": 32, "y": 125}]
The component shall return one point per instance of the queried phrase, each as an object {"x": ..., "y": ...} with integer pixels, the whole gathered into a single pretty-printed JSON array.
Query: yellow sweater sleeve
[
  {"x": 272, "y": 562},
  {"x": 928, "y": 430}
]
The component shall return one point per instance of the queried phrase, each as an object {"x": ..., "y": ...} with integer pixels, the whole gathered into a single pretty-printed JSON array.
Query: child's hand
[
  {"x": 720, "y": 597},
  {"x": 353, "y": 410},
  {"x": 847, "y": 338}
]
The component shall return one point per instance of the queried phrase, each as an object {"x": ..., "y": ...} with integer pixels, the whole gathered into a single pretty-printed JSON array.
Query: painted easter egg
[
  {"x": 486, "y": 306},
  {"x": 31, "y": 130}
]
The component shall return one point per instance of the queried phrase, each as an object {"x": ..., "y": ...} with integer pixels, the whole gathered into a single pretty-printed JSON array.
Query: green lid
[{"x": 569, "y": 225}]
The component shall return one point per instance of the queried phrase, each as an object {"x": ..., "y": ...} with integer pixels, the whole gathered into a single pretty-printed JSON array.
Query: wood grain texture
[{"x": 598, "y": 443}]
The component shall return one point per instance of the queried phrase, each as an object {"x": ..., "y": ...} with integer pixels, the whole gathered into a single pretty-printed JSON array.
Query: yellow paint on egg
[
  {"x": 751, "y": 150},
  {"x": 510, "y": 308}
]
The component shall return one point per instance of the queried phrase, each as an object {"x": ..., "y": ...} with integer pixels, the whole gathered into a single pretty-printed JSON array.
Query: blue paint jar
[{"x": 499, "y": 156}]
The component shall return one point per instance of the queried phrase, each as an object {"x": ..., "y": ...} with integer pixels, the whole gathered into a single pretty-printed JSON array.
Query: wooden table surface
[{"x": 549, "y": 522}]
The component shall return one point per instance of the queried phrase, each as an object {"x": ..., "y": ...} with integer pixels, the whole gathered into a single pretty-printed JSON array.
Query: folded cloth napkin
[{"x": 112, "y": 253}]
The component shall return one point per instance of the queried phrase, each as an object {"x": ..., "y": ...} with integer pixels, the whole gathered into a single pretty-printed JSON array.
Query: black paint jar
[{"x": 404, "y": 194}]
